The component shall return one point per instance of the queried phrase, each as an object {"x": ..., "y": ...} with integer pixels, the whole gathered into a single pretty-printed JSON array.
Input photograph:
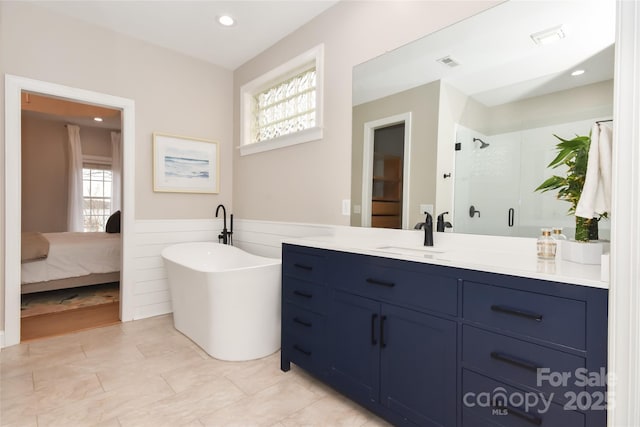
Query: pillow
[
  {"x": 113, "y": 223},
  {"x": 34, "y": 246}
]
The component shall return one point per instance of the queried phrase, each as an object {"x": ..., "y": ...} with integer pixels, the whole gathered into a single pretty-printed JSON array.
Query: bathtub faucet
[{"x": 226, "y": 235}]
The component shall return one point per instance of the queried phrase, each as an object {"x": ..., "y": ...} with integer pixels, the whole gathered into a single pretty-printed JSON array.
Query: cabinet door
[
  {"x": 354, "y": 352},
  {"x": 418, "y": 366}
]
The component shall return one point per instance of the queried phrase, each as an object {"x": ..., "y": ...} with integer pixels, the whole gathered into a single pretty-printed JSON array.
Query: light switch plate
[{"x": 346, "y": 207}]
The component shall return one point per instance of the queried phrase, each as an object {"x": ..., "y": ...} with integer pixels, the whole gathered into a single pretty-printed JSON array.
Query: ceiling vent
[
  {"x": 548, "y": 36},
  {"x": 448, "y": 62}
]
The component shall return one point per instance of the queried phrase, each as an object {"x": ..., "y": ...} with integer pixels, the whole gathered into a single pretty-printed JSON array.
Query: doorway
[
  {"x": 385, "y": 176},
  {"x": 74, "y": 285},
  {"x": 14, "y": 86},
  {"x": 388, "y": 166}
]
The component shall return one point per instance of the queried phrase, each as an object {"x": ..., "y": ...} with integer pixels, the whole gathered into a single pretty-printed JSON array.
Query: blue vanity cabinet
[
  {"x": 526, "y": 342},
  {"x": 418, "y": 343},
  {"x": 398, "y": 361},
  {"x": 354, "y": 346},
  {"x": 418, "y": 366},
  {"x": 304, "y": 308}
]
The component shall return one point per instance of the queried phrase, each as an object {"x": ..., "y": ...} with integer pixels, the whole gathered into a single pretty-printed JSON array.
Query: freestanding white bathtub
[{"x": 224, "y": 299}]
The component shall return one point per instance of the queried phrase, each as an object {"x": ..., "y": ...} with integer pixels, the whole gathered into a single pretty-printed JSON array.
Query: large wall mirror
[{"x": 463, "y": 120}]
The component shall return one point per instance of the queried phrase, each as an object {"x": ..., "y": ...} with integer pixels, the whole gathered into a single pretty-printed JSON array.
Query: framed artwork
[{"x": 185, "y": 165}]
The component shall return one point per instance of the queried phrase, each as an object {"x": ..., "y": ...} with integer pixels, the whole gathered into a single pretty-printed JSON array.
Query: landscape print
[{"x": 185, "y": 164}]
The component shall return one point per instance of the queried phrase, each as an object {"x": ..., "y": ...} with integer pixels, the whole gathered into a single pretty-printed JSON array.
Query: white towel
[{"x": 595, "y": 199}]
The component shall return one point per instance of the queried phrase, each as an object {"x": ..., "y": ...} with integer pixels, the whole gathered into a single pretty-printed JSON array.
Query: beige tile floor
[{"x": 145, "y": 373}]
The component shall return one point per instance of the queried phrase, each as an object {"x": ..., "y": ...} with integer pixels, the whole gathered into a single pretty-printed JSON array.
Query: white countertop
[{"x": 514, "y": 256}]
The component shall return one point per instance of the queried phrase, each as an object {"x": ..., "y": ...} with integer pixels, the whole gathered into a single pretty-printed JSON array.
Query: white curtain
[
  {"x": 116, "y": 171},
  {"x": 75, "y": 220}
]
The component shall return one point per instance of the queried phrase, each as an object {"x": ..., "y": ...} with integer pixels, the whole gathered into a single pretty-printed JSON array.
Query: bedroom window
[
  {"x": 96, "y": 196},
  {"x": 284, "y": 106}
]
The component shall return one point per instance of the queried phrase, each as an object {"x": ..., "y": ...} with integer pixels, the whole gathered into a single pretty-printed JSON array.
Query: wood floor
[{"x": 61, "y": 323}]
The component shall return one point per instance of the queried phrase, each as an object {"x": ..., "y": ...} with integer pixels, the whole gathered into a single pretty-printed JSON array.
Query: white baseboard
[{"x": 1, "y": 339}]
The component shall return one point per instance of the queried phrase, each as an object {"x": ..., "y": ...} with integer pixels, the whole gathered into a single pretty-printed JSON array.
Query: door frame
[
  {"x": 367, "y": 165},
  {"x": 14, "y": 85}
]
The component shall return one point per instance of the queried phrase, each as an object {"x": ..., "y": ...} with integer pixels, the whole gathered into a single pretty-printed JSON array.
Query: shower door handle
[{"x": 511, "y": 217}]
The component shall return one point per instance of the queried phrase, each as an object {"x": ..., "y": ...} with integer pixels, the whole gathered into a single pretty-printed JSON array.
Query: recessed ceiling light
[
  {"x": 577, "y": 73},
  {"x": 97, "y": 119},
  {"x": 226, "y": 20},
  {"x": 548, "y": 36}
]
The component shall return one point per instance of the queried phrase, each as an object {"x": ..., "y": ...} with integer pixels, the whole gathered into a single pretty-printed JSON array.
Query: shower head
[{"x": 482, "y": 143}]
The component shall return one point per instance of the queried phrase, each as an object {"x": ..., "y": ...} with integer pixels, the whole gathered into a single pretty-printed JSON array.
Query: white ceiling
[
  {"x": 499, "y": 62},
  {"x": 190, "y": 27}
]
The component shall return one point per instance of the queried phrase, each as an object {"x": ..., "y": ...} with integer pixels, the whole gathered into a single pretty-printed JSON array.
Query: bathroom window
[{"x": 284, "y": 106}]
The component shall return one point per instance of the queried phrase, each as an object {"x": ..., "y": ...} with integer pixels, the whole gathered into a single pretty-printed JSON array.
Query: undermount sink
[{"x": 426, "y": 251}]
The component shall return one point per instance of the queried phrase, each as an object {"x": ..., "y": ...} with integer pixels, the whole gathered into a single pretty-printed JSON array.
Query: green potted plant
[{"x": 574, "y": 154}]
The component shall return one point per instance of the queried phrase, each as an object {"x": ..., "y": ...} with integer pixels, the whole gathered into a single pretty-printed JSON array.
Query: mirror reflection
[{"x": 478, "y": 104}]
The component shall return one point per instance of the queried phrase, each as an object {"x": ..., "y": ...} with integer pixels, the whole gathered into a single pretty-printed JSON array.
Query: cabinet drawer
[
  {"x": 385, "y": 208},
  {"x": 470, "y": 420},
  {"x": 550, "y": 318},
  {"x": 305, "y": 294},
  {"x": 302, "y": 323},
  {"x": 304, "y": 338},
  {"x": 409, "y": 284},
  {"x": 305, "y": 264},
  {"x": 386, "y": 221},
  {"x": 504, "y": 405},
  {"x": 518, "y": 361},
  {"x": 305, "y": 353}
]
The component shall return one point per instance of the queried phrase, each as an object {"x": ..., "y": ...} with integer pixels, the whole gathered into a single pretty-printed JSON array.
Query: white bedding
[{"x": 73, "y": 255}]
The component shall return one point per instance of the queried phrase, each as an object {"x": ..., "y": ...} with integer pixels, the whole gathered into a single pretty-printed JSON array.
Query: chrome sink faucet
[
  {"x": 427, "y": 225},
  {"x": 226, "y": 235}
]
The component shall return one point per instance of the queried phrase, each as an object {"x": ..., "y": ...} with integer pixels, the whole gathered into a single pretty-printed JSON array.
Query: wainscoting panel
[
  {"x": 265, "y": 237},
  {"x": 151, "y": 289}
]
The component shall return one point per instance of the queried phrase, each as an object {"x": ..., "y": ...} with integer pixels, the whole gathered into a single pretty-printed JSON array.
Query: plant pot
[{"x": 582, "y": 252}]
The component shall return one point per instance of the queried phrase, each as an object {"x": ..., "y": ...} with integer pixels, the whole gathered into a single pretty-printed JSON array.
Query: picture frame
[{"x": 185, "y": 165}]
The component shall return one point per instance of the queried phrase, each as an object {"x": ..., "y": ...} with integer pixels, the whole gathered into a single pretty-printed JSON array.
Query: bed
[{"x": 65, "y": 260}]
